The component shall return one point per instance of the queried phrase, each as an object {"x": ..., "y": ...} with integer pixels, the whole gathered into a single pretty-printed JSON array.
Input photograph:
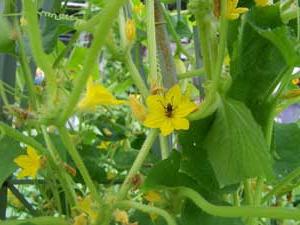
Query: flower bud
[{"x": 130, "y": 30}]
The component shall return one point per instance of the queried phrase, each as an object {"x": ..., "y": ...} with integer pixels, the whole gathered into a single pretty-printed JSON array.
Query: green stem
[
  {"x": 64, "y": 179},
  {"x": 147, "y": 209},
  {"x": 135, "y": 75},
  {"x": 222, "y": 43},
  {"x": 13, "y": 133},
  {"x": 248, "y": 192},
  {"x": 244, "y": 211},
  {"x": 39, "y": 56},
  {"x": 192, "y": 73},
  {"x": 173, "y": 32},
  {"x": 166, "y": 61},
  {"x": 108, "y": 14},
  {"x": 138, "y": 163},
  {"x": 3, "y": 95},
  {"x": 78, "y": 162},
  {"x": 27, "y": 73},
  {"x": 204, "y": 28},
  {"x": 151, "y": 42},
  {"x": 290, "y": 177},
  {"x": 164, "y": 146}
]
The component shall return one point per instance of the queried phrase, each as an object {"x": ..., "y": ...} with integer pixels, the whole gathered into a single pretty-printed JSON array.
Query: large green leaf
[
  {"x": 9, "y": 150},
  {"x": 194, "y": 160},
  {"x": 263, "y": 51},
  {"x": 166, "y": 174},
  {"x": 287, "y": 148},
  {"x": 46, "y": 220},
  {"x": 236, "y": 146}
]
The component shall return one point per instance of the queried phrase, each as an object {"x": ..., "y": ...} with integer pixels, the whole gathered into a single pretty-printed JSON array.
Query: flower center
[{"x": 169, "y": 110}]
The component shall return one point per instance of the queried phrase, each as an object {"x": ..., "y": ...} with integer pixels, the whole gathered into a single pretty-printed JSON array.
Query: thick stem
[
  {"x": 78, "y": 162},
  {"x": 108, "y": 14},
  {"x": 164, "y": 146},
  {"x": 151, "y": 44},
  {"x": 39, "y": 56},
  {"x": 147, "y": 209},
  {"x": 138, "y": 163},
  {"x": 192, "y": 73},
  {"x": 244, "y": 211},
  {"x": 167, "y": 65}
]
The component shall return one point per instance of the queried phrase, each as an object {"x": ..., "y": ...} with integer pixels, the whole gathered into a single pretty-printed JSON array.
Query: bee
[
  {"x": 296, "y": 82},
  {"x": 169, "y": 110}
]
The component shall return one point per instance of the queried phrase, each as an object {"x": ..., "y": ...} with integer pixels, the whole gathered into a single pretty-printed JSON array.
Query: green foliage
[
  {"x": 47, "y": 220},
  {"x": 9, "y": 150},
  {"x": 286, "y": 147},
  {"x": 259, "y": 59},
  {"x": 7, "y": 45},
  {"x": 234, "y": 143},
  {"x": 192, "y": 215}
]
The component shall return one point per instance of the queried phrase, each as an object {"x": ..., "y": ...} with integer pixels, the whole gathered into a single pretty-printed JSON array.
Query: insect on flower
[{"x": 168, "y": 111}]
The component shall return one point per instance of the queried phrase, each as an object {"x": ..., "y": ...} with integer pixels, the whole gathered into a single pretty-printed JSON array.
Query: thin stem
[
  {"x": 248, "y": 192},
  {"x": 147, "y": 209},
  {"x": 151, "y": 41},
  {"x": 135, "y": 75},
  {"x": 291, "y": 176},
  {"x": 108, "y": 14},
  {"x": 78, "y": 162},
  {"x": 39, "y": 56},
  {"x": 222, "y": 43},
  {"x": 192, "y": 73},
  {"x": 164, "y": 146},
  {"x": 244, "y": 211},
  {"x": 13, "y": 133},
  {"x": 138, "y": 162},
  {"x": 174, "y": 34}
]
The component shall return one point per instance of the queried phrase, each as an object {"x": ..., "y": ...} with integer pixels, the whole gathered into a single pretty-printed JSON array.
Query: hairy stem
[
  {"x": 244, "y": 211},
  {"x": 147, "y": 209}
]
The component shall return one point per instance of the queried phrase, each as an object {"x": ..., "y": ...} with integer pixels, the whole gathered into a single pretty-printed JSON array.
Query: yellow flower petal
[
  {"x": 156, "y": 103},
  {"x": 167, "y": 127},
  {"x": 97, "y": 94},
  {"x": 180, "y": 123},
  {"x": 30, "y": 163},
  {"x": 153, "y": 196},
  {"x": 173, "y": 96},
  {"x": 261, "y": 3},
  {"x": 154, "y": 120}
]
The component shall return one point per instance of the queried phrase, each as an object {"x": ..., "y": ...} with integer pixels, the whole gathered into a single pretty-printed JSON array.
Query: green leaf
[
  {"x": 194, "y": 160},
  {"x": 9, "y": 150},
  {"x": 91, "y": 157},
  {"x": 7, "y": 45},
  {"x": 263, "y": 52},
  {"x": 145, "y": 219},
  {"x": 286, "y": 145},
  {"x": 51, "y": 31},
  {"x": 236, "y": 146},
  {"x": 193, "y": 215},
  {"x": 46, "y": 220},
  {"x": 166, "y": 174}
]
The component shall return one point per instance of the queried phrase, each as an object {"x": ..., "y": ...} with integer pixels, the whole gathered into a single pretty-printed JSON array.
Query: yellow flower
[
  {"x": 296, "y": 81},
  {"x": 130, "y": 30},
  {"x": 121, "y": 216},
  {"x": 137, "y": 108},
  {"x": 232, "y": 11},
  {"x": 104, "y": 145},
  {"x": 97, "y": 94},
  {"x": 167, "y": 111},
  {"x": 80, "y": 220},
  {"x": 138, "y": 8},
  {"x": 261, "y": 3},
  {"x": 153, "y": 196},
  {"x": 89, "y": 207},
  {"x": 29, "y": 163}
]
